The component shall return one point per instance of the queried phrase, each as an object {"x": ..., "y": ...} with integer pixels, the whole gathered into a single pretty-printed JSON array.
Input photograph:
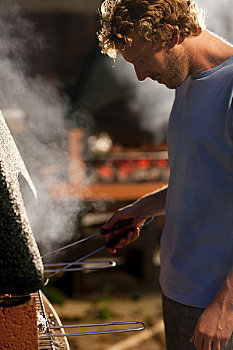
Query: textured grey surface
[{"x": 21, "y": 268}]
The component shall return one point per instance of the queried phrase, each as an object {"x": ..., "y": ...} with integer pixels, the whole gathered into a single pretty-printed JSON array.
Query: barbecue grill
[{"x": 52, "y": 335}]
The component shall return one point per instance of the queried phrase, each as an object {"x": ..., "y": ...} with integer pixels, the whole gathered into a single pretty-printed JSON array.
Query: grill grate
[
  {"x": 44, "y": 344},
  {"x": 46, "y": 341}
]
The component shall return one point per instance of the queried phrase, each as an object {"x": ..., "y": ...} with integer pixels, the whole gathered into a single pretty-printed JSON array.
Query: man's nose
[{"x": 141, "y": 73}]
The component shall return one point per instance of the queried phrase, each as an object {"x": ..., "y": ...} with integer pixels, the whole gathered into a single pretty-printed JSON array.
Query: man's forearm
[
  {"x": 225, "y": 295},
  {"x": 150, "y": 204},
  {"x": 153, "y": 203}
]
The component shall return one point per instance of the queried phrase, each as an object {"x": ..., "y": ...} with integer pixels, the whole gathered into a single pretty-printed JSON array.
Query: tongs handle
[
  {"x": 117, "y": 226},
  {"x": 121, "y": 224}
]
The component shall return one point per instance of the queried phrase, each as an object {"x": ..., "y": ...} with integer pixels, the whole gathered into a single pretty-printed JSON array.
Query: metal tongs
[{"x": 127, "y": 224}]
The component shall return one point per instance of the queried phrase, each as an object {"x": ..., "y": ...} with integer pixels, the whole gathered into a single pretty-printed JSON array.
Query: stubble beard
[{"x": 176, "y": 68}]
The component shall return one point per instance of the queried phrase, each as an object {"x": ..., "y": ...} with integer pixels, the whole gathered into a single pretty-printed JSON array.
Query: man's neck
[{"x": 207, "y": 51}]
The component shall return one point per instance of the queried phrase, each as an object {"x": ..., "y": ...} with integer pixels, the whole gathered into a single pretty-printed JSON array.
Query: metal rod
[
  {"x": 70, "y": 245},
  {"x": 77, "y": 261},
  {"x": 49, "y": 268},
  {"x": 90, "y": 262},
  {"x": 102, "y": 324},
  {"x": 143, "y": 325}
]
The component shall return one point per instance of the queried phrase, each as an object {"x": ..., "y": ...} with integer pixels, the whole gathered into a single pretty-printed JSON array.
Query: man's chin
[
  {"x": 173, "y": 84},
  {"x": 171, "y": 87},
  {"x": 160, "y": 80},
  {"x": 167, "y": 84},
  {"x": 170, "y": 84}
]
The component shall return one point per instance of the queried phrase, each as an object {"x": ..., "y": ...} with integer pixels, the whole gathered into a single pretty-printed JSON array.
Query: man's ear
[{"x": 171, "y": 33}]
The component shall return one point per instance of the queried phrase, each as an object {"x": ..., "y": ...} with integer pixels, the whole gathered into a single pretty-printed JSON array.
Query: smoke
[
  {"x": 219, "y": 17},
  {"x": 34, "y": 110},
  {"x": 151, "y": 101}
]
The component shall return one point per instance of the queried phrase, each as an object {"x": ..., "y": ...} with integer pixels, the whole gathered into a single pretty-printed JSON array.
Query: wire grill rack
[
  {"x": 46, "y": 341},
  {"x": 52, "y": 335}
]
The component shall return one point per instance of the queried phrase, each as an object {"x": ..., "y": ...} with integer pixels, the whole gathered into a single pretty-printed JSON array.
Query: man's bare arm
[{"x": 215, "y": 326}]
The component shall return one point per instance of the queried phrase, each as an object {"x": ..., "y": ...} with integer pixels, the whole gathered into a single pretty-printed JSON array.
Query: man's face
[{"x": 166, "y": 66}]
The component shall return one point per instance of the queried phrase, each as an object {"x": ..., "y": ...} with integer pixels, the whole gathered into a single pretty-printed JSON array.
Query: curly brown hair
[{"x": 121, "y": 19}]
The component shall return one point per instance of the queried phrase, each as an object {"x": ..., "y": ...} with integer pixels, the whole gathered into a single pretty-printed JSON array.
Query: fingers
[
  {"x": 207, "y": 343},
  {"x": 127, "y": 238},
  {"x": 223, "y": 343},
  {"x": 201, "y": 344},
  {"x": 198, "y": 342},
  {"x": 131, "y": 237},
  {"x": 118, "y": 220},
  {"x": 126, "y": 222}
]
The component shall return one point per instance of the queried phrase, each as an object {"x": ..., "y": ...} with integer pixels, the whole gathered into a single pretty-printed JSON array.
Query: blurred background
[{"x": 93, "y": 139}]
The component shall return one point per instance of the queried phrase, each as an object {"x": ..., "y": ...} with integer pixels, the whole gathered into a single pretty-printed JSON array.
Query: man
[{"x": 166, "y": 41}]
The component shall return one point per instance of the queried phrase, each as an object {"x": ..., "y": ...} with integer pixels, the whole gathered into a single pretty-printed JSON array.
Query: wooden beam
[{"x": 100, "y": 191}]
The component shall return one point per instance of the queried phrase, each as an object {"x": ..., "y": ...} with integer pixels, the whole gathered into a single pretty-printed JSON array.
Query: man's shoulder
[{"x": 227, "y": 65}]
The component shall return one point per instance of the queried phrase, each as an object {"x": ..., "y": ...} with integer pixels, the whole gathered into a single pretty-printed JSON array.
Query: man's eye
[{"x": 141, "y": 61}]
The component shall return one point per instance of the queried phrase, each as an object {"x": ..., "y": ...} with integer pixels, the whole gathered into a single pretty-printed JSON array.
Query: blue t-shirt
[{"x": 197, "y": 240}]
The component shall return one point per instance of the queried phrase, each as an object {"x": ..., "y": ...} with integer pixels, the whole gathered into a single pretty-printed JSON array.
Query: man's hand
[
  {"x": 152, "y": 204},
  {"x": 132, "y": 232},
  {"x": 214, "y": 327}
]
